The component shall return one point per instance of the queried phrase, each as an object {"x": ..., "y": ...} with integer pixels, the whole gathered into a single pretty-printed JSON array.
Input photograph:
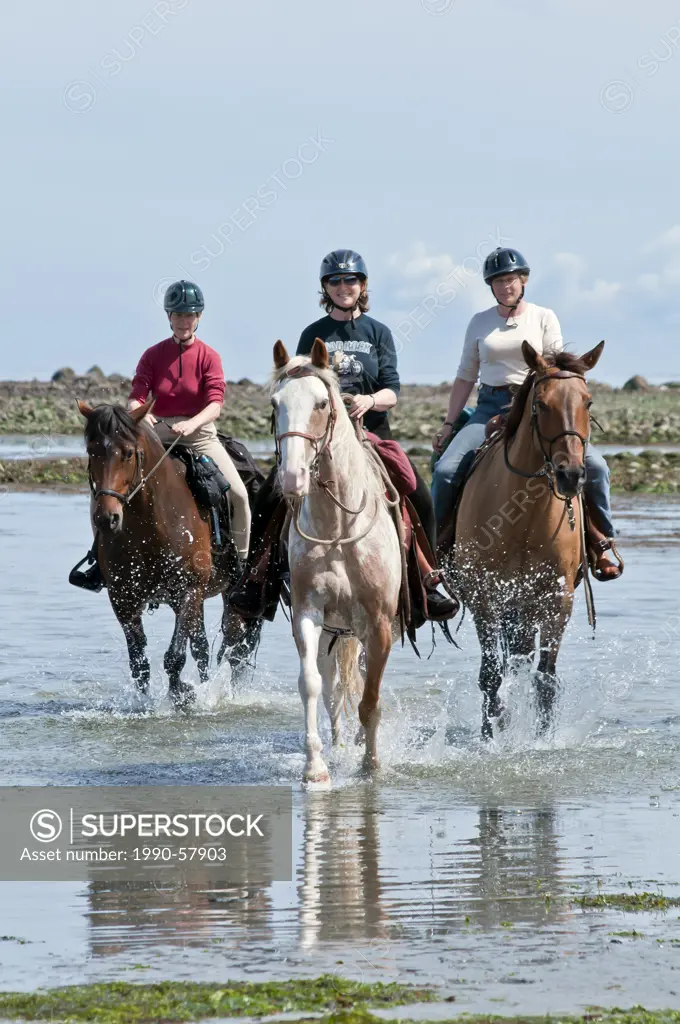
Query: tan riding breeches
[{"x": 204, "y": 441}]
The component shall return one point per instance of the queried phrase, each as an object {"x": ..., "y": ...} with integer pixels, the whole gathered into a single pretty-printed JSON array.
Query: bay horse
[
  {"x": 154, "y": 545},
  {"x": 343, "y": 550},
  {"x": 520, "y": 541}
]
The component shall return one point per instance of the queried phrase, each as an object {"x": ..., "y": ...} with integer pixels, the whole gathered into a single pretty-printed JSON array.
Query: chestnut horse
[
  {"x": 520, "y": 546},
  {"x": 343, "y": 550},
  {"x": 154, "y": 545}
]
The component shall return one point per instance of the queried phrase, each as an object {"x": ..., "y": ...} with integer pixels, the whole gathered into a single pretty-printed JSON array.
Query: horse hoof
[
  {"x": 321, "y": 784},
  {"x": 369, "y": 766},
  {"x": 182, "y": 696}
]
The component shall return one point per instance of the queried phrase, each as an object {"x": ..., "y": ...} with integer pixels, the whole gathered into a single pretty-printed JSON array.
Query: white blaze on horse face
[{"x": 295, "y": 402}]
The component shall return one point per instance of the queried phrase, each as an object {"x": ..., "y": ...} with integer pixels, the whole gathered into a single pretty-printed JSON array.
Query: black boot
[
  {"x": 248, "y": 597},
  {"x": 88, "y": 579},
  {"x": 440, "y": 607}
]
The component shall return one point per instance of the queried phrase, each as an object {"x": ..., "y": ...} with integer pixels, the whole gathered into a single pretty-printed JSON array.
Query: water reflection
[{"x": 362, "y": 877}]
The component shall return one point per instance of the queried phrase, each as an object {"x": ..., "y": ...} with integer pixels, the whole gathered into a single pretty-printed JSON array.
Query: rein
[
  {"x": 321, "y": 443},
  {"x": 125, "y": 499}
]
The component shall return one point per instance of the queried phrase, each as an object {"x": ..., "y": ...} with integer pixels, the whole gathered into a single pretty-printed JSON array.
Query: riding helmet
[
  {"x": 183, "y": 297},
  {"x": 504, "y": 261},
  {"x": 343, "y": 261}
]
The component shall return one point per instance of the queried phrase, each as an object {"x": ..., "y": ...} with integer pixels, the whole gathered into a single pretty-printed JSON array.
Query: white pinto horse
[{"x": 343, "y": 550}]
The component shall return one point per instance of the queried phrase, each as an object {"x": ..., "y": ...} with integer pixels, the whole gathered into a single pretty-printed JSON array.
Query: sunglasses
[{"x": 344, "y": 279}]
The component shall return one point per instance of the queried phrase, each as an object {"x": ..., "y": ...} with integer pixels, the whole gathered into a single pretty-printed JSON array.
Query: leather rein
[
  {"x": 548, "y": 468},
  {"x": 139, "y": 480},
  {"x": 321, "y": 443}
]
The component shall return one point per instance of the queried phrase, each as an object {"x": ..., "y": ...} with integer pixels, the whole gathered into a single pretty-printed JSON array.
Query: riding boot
[
  {"x": 256, "y": 595},
  {"x": 424, "y": 578},
  {"x": 88, "y": 579},
  {"x": 438, "y": 606},
  {"x": 598, "y": 544}
]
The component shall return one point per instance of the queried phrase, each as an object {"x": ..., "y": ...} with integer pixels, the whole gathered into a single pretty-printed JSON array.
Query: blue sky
[{"x": 238, "y": 143}]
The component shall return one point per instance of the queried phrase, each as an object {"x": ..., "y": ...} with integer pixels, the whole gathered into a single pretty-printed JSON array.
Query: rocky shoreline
[
  {"x": 649, "y": 472},
  {"x": 636, "y": 414}
]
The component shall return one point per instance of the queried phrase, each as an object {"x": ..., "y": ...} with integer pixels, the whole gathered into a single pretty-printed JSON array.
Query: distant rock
[
  {"x": 637, "y": 383},
  {"x": 65, "y": 373}
]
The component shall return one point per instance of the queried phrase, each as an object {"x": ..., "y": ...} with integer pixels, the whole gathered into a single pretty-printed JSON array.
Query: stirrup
[
  {"x": 90, "y": 579},
  {"x": 598, "y": 548}
]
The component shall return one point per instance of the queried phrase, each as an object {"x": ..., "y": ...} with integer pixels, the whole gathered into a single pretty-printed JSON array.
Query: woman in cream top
[{"x": 492, "y": 355}]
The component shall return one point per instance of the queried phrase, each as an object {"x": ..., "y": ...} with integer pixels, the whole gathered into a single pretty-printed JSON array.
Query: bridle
[
  {"x": 548, "y": 468},
  {"x": 138, "y": 481},
  {"x": 321, "y": 443},
  {"x": 548, "y": 471}
]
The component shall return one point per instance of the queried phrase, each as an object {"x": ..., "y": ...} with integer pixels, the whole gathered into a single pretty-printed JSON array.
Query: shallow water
[
  {"x": 438, "y": 871},
  {"x": 53, "y": 446}
]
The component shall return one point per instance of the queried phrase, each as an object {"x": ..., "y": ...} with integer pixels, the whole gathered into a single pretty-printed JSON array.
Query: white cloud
[
  {"x": 576, "y": 290},
  {"x": 415, "y": 275}
]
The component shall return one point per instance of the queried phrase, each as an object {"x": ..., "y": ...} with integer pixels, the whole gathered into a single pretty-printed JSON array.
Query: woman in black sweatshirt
[{"x": 362, "y": 353}]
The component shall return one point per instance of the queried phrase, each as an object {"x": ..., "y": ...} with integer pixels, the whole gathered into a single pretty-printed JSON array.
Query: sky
[{"x": 236, "y": 144}]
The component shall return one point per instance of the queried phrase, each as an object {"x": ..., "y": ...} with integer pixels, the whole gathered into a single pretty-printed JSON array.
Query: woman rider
[
  {"x": 363, "y": 354},
  {"x": 187, "y": 379},
  {"x": 492, "y": 351}
]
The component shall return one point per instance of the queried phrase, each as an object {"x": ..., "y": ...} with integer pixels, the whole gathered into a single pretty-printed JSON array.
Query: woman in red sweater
[{"x": 187, "y": 380}]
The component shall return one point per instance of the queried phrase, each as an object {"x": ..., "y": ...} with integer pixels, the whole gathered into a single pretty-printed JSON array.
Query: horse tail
[{"x": 347, "y": 660}]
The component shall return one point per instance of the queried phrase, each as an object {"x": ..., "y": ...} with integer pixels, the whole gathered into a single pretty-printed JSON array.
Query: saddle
[{"x": 210, "y": 487}]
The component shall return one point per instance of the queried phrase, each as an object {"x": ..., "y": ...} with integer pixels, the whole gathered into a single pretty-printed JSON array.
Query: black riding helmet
[
  {"x": 183, "y": 297},
  {"x": 504, "y": 261},
  {"x": 343, "y": 261}
]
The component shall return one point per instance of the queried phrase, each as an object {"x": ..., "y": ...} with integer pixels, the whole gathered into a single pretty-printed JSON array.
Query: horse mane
[
  {"x": 329, "y": 377},
  {"x": 560, "y": 361},
  {"x": 109, "y": 423}
]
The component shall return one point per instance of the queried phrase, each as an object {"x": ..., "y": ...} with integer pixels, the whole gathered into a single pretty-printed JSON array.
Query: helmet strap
[
  {"x": 344, "y": 309},
  {"x": 515, "y": 305}
]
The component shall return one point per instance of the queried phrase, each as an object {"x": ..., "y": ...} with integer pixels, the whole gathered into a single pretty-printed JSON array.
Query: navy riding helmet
[
  {"x": 504, "y": 261},
  {"x": 343, "y": 261}
]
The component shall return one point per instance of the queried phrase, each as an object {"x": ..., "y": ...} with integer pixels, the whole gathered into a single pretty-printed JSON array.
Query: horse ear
[
  {"x": 84, "y": 409},
  {"x": 591, "y": 358},
  {"x": 319, "y": 354},
  {"x": 140, "y": 413},
  {"x": 533, "y": 360},
  {"x": 281, "y": 357}
]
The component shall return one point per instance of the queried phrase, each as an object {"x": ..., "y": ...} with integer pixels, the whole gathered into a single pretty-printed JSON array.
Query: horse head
[
  {"x": 115, "y": 447},
  {"x": 305, "y": 398},
  {"x": 559, "y": 411}
]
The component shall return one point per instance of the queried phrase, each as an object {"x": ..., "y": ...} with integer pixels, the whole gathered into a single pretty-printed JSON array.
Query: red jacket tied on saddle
[
  {"x": 182, "y": 383},
  {"x": 396, "y": 462}
]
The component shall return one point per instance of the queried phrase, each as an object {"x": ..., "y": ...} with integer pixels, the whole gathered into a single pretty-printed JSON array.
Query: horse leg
[
  {"x": 136, "y": 643},
  {"x": 200, "y": 648},
  {"x": 240, "y": 637},
  {"x": 490, "y": 672},
  {"x": 190, "y": 606},
  {"x": 307, "y": 628},
  {"x": 545, "y": 680},
  {"x": 378, "y": 646},
  {"x": 327, "y": 664}
]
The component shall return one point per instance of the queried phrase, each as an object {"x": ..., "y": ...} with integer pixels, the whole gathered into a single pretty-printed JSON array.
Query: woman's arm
[
  {"x": 207, "y": 415},
  {"x": 387, "y": 395},
  {"x": 460, "y": 392}
]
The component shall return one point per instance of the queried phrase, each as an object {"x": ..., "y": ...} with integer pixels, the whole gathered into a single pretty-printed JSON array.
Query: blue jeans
[{"x": 489, "y": 404}]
